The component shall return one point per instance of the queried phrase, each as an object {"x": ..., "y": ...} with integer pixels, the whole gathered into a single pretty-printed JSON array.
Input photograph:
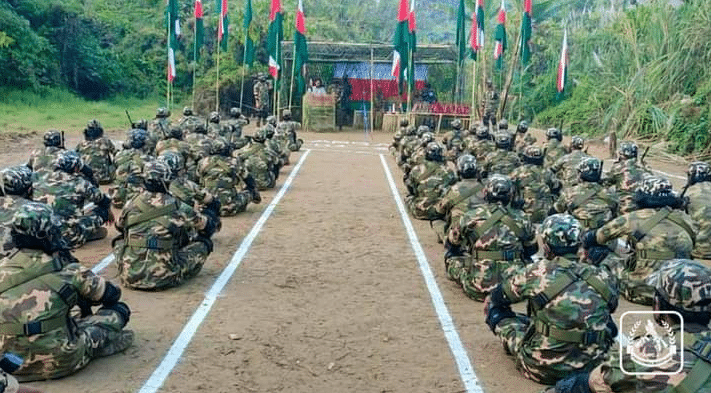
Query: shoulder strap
[
  {"x": 582, "y": 198},
  {"x": 31, "y": 269},
  {"x": 149, "y": 213},
  {"x": 465, "y": 195},
  {"x": 480, "y": 230},
  {"x": 652, "y": 222},
  {"x": 560, "y": 283},
  {"x": 700, "y": 371},
  {"x": 683, "y": 224}
]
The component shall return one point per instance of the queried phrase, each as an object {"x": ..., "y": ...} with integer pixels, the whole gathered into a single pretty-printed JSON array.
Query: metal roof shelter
[{"x": 339, "y": 52}]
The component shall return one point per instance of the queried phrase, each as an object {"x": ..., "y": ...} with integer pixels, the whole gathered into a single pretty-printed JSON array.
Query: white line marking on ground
[
  {"x": 669, "y": 174},
  {"x": 158, "y": 377},
  {"x": 103, "y": 264},
  {"x": 450, "y": 331}
]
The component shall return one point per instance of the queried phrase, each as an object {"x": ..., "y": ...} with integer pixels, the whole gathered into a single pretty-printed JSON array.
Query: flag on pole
[
  {"x": 173, "y": 22},
  {"x": 248, "y": 43},
  {"x": 526, "y": 32},
  {"x": 199, "y": 28},
  {"x": 500, "y": 36},
  {"x": 301, "y": 52},
  {"x": 412, "y": 44},
  {"x": 400, "y": 43},
  {"x": 563, "y": 64},
  {"x": 276, "y": 35},
  {"x": 477, "y": 32},
  {"x": 461, "y": 32},
  {"x": 223, "y": 23}
]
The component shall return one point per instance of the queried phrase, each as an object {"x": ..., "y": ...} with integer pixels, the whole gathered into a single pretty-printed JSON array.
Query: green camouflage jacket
[
  {"x": 566, "y": 167},
  {"x": 66, "y": 193},
  {"x": 591, "y": 203},
  {"x": 480, "y": 148},
  {"x": 98, "y": 154},
  {"x": 43, "y": 159},
  {"x": 625, "y": 176},
  {"x": 501, "y": 161},
  {"x": 700, "y": 211},
  {"x": 533, "y": 183},
  {"x": 223, "y": 178},
  {"x": 189, "y": 192},
  {"x": 8, "y": 206},
  {"x": 523, "y": 141},
  {"x": 554, "y": 150},
  {"x": 459, "y": 198}
]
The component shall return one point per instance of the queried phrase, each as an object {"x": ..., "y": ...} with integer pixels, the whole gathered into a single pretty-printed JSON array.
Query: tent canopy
[{"x": 340, "y": 52}]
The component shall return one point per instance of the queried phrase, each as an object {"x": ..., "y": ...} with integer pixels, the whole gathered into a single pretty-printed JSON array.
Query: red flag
[
  {"x": 276, "y": 8},
  {"x": 563, "y": 64},
  {"x": 198, "y": 9},
  {"x": 300, "y": 22},
  {"x": 411, "y": 23},
  {"x": 221, "y": 28}
]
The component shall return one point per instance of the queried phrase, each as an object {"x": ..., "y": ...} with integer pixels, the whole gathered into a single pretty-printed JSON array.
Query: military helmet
[
  {"x": 482, "y": 132},
  {"x": 271, "y": 119},
  {"x": 156, "y": 171},
  {"x": 533, "y": 155},
  {"x": 235, "y": 112},
  {"x": 262, "y": 77},
  {"x": 52, "y": 138},
  {"x": 200, "y": 128},
  {"x": 162, "y": 113},
  {"x": 503, "y": 140},
  {"x": 286, "y": 115},
  {"x": 503, "y": 124},
  {"x": 411, "y": 130},
  {"x": 457, "y": 124},
  {"x": 187, "y": 111},
  {"x": 426, "y": 138},
  {"x": 175, "y": 133},
  {"x": 522, "y": 127},
  {"x": 554, "y": 133},
  {"x": 434, "y": 151},
  {"x": 141, "y": 124},
  {"x": 214, "y": 117},
  {"x": 628, "y": 149},
  {"x": 422, "y": 129},
  {"x": 466, "y": 166},
  {"x": 698, "y": 172},
  {"x": 174, "y": 161},
  {"x": 69, "y": 161},
  {"x": 655, "y": 186},
  {"x": 685, "y": 284},
  {"x": 219, "y": 147},
  {"x": 16, "y": 180},
  {"x": 137, "y": 138},
  {"x": 260, "y": 136},
  {"x": 35, "y": 220},
  {"x": 404, "y": 122},
  {"x": 93, "y": 130},
  {"x": 561, "y": 231},
  {"x": 499, "y": 188},
  {"x": 590, "y": 169},
  {"x": 577, "y": 143}
]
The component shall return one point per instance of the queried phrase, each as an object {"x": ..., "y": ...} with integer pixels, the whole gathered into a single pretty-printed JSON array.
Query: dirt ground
[{"x": 329, "y": 297}]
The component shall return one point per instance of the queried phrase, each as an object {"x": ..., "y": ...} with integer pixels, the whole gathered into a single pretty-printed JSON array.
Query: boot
[
  {"x": 119, "y": 344},
  {"x": 97, "y": 234}
]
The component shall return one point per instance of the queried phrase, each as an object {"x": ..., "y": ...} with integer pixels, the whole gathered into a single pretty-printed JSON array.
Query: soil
[{"x": 329, "y": 297}]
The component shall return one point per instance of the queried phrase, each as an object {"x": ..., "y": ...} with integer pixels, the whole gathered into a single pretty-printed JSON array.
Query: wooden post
[
  {"x": 372, "y": 93},
  {"x": 217, "y": 81},
  {"x": 502, "y": 106},
  {"x": 473, "y": 107},
  {"x": 244, "y": 66}
]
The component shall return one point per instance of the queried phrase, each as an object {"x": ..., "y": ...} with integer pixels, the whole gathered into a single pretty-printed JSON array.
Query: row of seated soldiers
[
  {"x": 172, "y": 191},
  {"x": 621, "y": 233}
]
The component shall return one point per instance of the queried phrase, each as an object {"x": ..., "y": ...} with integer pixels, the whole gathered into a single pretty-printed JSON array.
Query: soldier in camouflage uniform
[
  {"x": 41, "y": 283},
  {"x": 683, "y": 286},
  {"x": 523, "y": 137},
  {"x": 699, "y": 193},
  {"x": 569, "y": 327},
  {"x": 184, "y": 189},
  {"x": 174, "y": 143},
  {"x": 494, "y": 238},
  {"x": 461, "y": 197},
  {"x": 454, "y": 141},
  {"x": 236, "y": 122},
  {"x": 97, "y": 151},
  {"x": 589, "y": 202},
  {"x": 258, "y": 161},
  {"x": 553, "y": 147},
  {"x": 625, "y": 175},
  {"x": 502, "y": 160},
  {"x": 15, "y": 189},
  {"x": 163, "y": 241},
  {"x": 189, "y": 121},
  {"x": 428, "y": 182},
  {"x": 399, "y": 134},
  {"x": 288, "y": 128},
  {"x": 224, "y": 177},
  {"x": 491, "y": 105},
  {"x": 535, "y": 184},
  {"x": 158, "y": 129},
  {"x": 565, "y": 167},
  {"x": 660, "y": 230},
  {"x": 417, "y": 156},
  {"x": 410, "y": 144},
  {"x": 482, "y": 146},
  {"x": 129, "y": 165},
  {"x": 275, "y": 145},
  {"x": 43, "y": 159},
  {"x": 261, "y": 98},
  {"x": 69, "y": 194},
  {"x": 215, "y": 128},
  {"x": 200, "y": 144}
]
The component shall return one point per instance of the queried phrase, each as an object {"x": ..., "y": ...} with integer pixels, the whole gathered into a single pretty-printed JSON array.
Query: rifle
[
  {"x": 63, "y": 147},
  {"x": 130, "y": 122},
  {"x": 646, "y": 150}
]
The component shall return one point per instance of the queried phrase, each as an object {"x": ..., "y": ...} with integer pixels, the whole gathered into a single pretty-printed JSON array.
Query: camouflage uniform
[
  {"x": 129, "y": 165},
  {"x": 554, "y": 150},
  {"x": 275, "y": 145},
  {"x": 699, "y": 208},
  {"x": 158, "y": 129},
  {"x": 625, "y": 175},
  {"x": 98, "y": 151},
  {"x": 399, "y": 134},
  {"x": 418, "y": 153},
  {"x": 493, "y": 238},
  {"x": 182, "y": 188},
  {"x": 570, "y": 327},
  {"x": 566, "y": 167},
  {"x": 216, "y": 128},
  {"x": 258, "y": 161},
  {"x": 159, "y": 251},
  {"x": 222, "y": 176},
  {"x": 261, "y": 98},
  {"x": 16, "y": 183},
  {"x": 189, "y": 121},
  {"x": 502, "y": 160},
  {"x": 8, "y": 383},
  {"x": 427, "y": 183},
  {"x": 43, "y": 159},
  {"x": 482, "y": 146},
  {"x": 174, "y": 143},
  {"x": 409, "y": 144},
  {"x": 287, "y": 128},
  {"x": 200, "y": 145},
  {"x": 454, "y": 141},
  {"x": 589, "y": 202},
  {"x": 671, "y": 235},
  {"x": 523, "y": 138},
  {"x": 236, "y": 122},
  {"x": 37, "y": 296},
  {"x": 68, "y": 193},
  {"x": 491, "y": 106}
]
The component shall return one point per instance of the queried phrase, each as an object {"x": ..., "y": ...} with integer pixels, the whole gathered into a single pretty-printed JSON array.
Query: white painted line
[
  {"x": 103, "y": 264},
  {"x": 471, "y": 384},
  {"x": 370, "y": 153},
  {"x": 669, "y": 174},
  {"x": 158, "y": 377}
]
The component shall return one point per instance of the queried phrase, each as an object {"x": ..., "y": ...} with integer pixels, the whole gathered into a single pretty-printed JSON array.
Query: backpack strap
[
  {"x": 683, "y": 224},
  {"x": 150, "y": 212},
  {"x": 700, "y": 371},
  {"x": 651, "y": 222},
  {"x": 582, "y": 198},
  {"x": 495, "y": 217}
]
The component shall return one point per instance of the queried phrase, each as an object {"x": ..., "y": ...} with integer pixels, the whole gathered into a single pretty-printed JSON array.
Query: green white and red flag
[
  {"x": 199, "y": 28},
  {"x": 400, "y": 42},
  {"x": 526, "y": 32},
  {"x": 301, "y": 52},
  {"x": 173, "y": 22},
  {"x": 477, "y": 32},
  {"x": 412, "y": 46},
  {"x": 500, "y": 36},
  {"x": 223, "y": 23},
  {"x": 276, "y": 35},
  {"x": 563, "y": 64}
]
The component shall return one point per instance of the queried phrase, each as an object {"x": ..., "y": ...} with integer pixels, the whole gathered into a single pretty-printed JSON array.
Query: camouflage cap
[
  {"x": 628, "y": 149},
  {"x": 69, "y": 161},
  {"x": 434, "y": 151},
  {"x": 655, "y": 186},
  {"x": 174, "y": 161},
  {"x": 561, "y": 231},
  {"x": 16, "y": 180},
  {"x": 187, "y": 111},
  {"x": 456, "y": 124},
  {"x": 577, "y": 143},
  {"x": 522, "y": 127},
  {"x": 590, "y": 169},
  {"x": 466, "y": 166},
  {"x": 214, "y": 117},
  {"x": 36, "y": 220},
  {"x": 554, "y": 133},
  {"x": 52, "y": 138},
  {"x": 698, "y": 172},
  {"x": 156, "y": 171},
  {"x": 426, "y": 138},
  {"x": 499, "y": 188},
  {"x": 685, "y": 284},
  {"x": 533, "y": 152}
]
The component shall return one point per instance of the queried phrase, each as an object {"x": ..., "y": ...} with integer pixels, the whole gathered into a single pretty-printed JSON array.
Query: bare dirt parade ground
[{"x": 323, "y": 287}]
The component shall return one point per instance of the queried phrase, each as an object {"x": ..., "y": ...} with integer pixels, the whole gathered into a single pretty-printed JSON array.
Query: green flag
[
  {"x": 301, "y": 52},
  {"x": 412, "y": 44},
  {"x": 400, "y": 43},
  {"x": 248, "y": 43},
  {"x": 199, "y": 29},
  {"x": 276, "y": 35},
  {"x": 223, "y": 23},
  {"x": 500, "y": 36},
  {"x": 461, "y": 32},
  {"x": 526, "y": 33}
]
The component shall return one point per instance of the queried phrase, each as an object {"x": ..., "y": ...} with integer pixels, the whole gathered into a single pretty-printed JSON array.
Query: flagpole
[
  {"x": 372, "y": 96},
  {"x": 167, "y": 93},
  {"x": 474, "y": 80},
  {"x": 192, "y": 105},
  {"x": 217, "y": 81},
  {"x": 410, "y": 83},
  {"x": 244, "y": 66},
  {"x": 293, "y": 71},
  {"x": 509, "y": 79}
]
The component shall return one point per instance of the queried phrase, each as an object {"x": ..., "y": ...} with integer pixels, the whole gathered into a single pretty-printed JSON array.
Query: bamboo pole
[
  {"x": 473, "y": 107},
  {"x": 167, "y": 90},
  {"x": 293, "y": 72},
  {"x": 457, "y": 82},
  {"x": 372, "y": 95},
  {"x": 217, "y": 81},
  {"x": 244, "y": 66},
  {"x": 509, "y": 78}
]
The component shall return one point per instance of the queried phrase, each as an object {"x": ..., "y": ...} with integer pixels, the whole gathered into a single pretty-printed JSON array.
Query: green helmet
[
  {"x": 503, "y": 140},
  {"x": 219, "y": 147},
  {"x": 577, "y": 143},
  {"x": 590, "y": 169},
  {"x": 685, "y": 284},
  {"x": 504, "y": 124},
  {"x": 187, "y": 111},
  {"x": 522, "y": 127},
  {"x": 628, "y": 149},
  {"x": 36, "y": 220},
  {"x": 561, "y": 231},
  {"x": 52, "y": 138},
  {"x": 162, "y": 113},
  {"x": 457, "y": 124},
  {"x": 698, "y": 172},
  {"x": 16, "y": 180},
  {"x": 482, "y": 132},
  {"x": 554, "y": 133},
  {"x": 174, "y": 161},
  {"x": 137, "y": 138},
  {"x": 466, "y": 166},
  {"x": 422, "y": 129},
  {"x": 69, "y": 161},
  {"x": 434, "y": 151},
  {"x": 655, "y": 186},
  {"x": 426, "y": 138},
  {"x": 533, "y": 155},
  {"x": 93, "y": 130},
  {"x": 156, "y": 171},
  {"x": 499, "y": 188},
  {"x": 214, "y": 117},
  {"x": 260, "y": 136}
]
